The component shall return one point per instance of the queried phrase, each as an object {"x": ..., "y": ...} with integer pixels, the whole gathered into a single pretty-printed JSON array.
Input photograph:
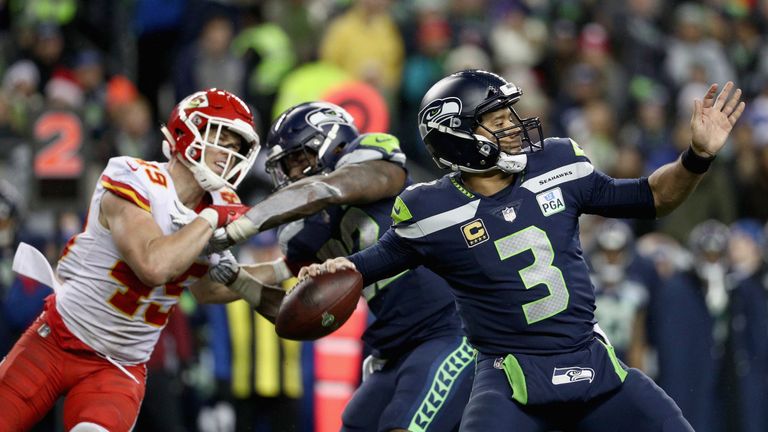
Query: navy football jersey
[
  {"x": 513, "y": 259},
  {"x": 409, "y": 307}
]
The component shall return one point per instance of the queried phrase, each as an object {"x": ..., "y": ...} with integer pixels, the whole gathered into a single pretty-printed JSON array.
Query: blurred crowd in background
[{"x": 684, "y": 298}]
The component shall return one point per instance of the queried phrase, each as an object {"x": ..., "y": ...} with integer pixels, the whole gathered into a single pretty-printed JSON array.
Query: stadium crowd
[{"x": 684, "y": 298}]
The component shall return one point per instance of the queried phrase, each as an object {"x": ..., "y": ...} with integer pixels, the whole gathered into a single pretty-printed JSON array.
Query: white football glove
[
  {"x": 181, "y": 215},
  {"x": 219, "y": 241},
  {"x": 372, "y": 364},
  {"x": 225, "y": 270},
  {"x": 228, "y": 272}
]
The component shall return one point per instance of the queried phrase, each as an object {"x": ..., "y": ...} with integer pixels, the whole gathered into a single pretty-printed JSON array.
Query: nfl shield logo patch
[{"x": 509, "y": 214}]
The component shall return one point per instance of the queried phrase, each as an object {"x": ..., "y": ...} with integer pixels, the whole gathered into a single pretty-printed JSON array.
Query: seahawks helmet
[
  {"x": 450, "y": 114},
  {"x": 321, "y": 129}
]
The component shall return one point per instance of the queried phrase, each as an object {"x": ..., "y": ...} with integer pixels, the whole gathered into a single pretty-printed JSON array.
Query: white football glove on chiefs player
[
  {"x": 228, "y": 272},
  {"x": 181, "y": 215}
]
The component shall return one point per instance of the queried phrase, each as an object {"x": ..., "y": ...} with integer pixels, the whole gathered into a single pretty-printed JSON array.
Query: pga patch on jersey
[{"x": 551, "y": 201}]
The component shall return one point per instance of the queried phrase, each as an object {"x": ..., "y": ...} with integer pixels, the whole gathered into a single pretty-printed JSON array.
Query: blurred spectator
[
  {"x": 712, "y": 198},
  {"x": 47, "y": 52},
  {"x": 562, "y": 53},
  {"x": 131, "y": 134},
  {"x": 89, "y": 73},
  {"x": 750, "y": 174},
  {"x": 468, "y": 54},
  {"x": 595, "y": 50},
  {"x": 62, "y": 92},
  {"x": 621, "y": 291},
  {"x": 649, "y": 129},
  {"x": 517, "y": 40},
  {"x": 640, "y": 39},
  {"x": 209, "y": 61},
  {"x": 268, "y": 55},
  {"x": 692, "y": 329},
  {"x": 594, "y": 128},
  {"x": 749, "y": 326},
  {"x": 366, "y": 43},
  {"x": 58, "y": 12},
  {"x": 20, "y": 87},
  {"x": 568, "y": 112},
  {"x": 691, "y": 45},
  {"x": 120, "y": 91},
  {"x": 422, "y": 69},
  {"x": 157, "y": 27},
  {"x": 746, "y": 51},
  {"x": 298, "y": 18}
]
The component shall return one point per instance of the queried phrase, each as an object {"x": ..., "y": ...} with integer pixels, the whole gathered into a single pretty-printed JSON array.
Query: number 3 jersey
[
  {"x": 102, "y": 301},
  {"x": 410, "y": 307},
  {"x": 513, "y": 259}
]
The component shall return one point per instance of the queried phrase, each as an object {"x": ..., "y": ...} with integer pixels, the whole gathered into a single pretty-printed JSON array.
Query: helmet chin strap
[
  {"x": 512, "y": 164},
  {"x": 206, "y": 178}
]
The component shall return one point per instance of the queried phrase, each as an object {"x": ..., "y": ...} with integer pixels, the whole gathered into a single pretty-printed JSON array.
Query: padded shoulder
[
  {"x": 373, "y": 146},
  {"x": 129, "y": 179}
]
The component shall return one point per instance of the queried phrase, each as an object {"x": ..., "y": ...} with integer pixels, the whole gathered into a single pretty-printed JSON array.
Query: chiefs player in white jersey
[{"x": 143, "y": 243}]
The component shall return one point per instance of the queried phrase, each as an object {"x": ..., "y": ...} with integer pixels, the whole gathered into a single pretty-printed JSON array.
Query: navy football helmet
[
  {"x": 319, "y": 129},
  {"x": 450, "y": 114}
]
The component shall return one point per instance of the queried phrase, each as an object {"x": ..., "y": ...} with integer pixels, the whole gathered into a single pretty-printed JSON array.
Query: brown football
[{"x": 319, "y": 305}]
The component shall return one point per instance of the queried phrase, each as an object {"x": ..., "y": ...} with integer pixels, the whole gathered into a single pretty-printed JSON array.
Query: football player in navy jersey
[
  {"x": 420, "y": 373},
  {"x": 502, "y": 229}
]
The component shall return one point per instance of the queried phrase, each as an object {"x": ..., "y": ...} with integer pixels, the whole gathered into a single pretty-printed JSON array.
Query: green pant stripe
[
  {"x": 516, "y": 379},
  {"x": 614, "y": 361},
  {"x": 441, "y": 385}
]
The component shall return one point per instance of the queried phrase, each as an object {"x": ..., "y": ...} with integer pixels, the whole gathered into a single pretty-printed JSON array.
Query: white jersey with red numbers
[{"x": 102, "y": 301}]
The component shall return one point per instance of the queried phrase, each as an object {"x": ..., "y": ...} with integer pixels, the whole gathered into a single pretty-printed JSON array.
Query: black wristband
[{"x": 695, "y": 163}]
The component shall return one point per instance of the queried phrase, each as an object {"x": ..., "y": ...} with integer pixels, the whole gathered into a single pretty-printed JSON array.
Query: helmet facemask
[
  {"x": 277, "y": 164},
  {"x": 208, "y": 138},
  {"x": 508, "y": 162}
]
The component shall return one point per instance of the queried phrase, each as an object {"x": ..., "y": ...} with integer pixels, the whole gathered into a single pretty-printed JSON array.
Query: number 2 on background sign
[{"x": 60, "y": 158}]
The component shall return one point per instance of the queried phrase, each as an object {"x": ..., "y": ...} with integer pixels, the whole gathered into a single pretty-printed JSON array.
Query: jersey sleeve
[
  {"x": 225, "y": 196},
  {"x": 598, "y": 193},
  {"x": 126, "y": 178},
  {"x": 373, "y": 146},
  {"x": 390, "y": 256}
]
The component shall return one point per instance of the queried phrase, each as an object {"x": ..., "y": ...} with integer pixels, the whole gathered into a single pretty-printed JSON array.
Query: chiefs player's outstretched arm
[{"x": 359, "y": 183}]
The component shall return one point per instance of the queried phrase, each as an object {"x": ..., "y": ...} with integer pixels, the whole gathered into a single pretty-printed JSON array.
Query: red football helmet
[{"x": 196, "y": 123}]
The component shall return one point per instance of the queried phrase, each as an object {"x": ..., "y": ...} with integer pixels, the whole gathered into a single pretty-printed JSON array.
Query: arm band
[{"x": 695, "y": 163}]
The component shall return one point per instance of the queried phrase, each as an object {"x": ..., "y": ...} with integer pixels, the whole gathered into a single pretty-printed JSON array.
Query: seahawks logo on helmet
[
  {"x": 440, "y": 109},
  {"x": 326, "y": 116}
]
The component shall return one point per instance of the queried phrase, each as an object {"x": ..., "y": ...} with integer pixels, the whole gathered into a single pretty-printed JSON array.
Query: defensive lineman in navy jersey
[
  {"x": 420, "y": 374},
  {"x": 503, "y": 231}
]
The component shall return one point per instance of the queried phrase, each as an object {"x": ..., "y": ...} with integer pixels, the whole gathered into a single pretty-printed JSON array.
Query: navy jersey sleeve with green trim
[
  {"x": 372, "y": 146},
  {"x": 597, "y": 193}
]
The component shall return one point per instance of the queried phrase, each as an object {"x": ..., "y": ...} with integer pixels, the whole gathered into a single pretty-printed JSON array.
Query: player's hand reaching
[
  {"x": 180, "y": 215},
  {"x": 329, "y": 266},
  {"x": 713, "y": 119},
  {"x": 225, "y": 270},
  {"x": 219, "y": 241}
]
